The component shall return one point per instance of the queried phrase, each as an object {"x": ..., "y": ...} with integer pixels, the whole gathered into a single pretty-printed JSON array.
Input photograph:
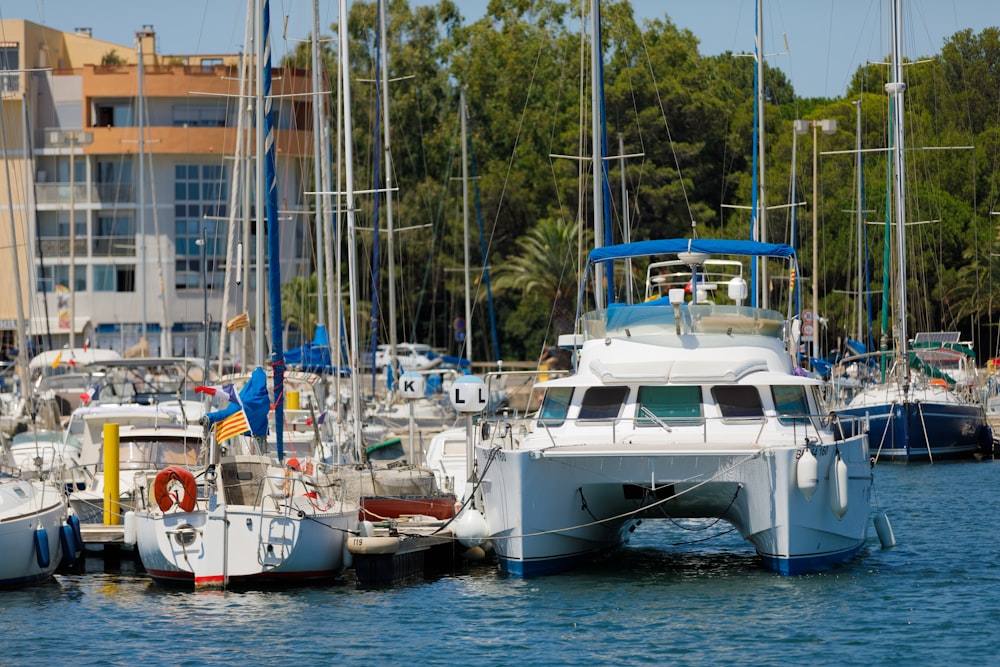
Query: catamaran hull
[
  {"x": 594, "y": 497},
  {"x": 231, "y": 546},
  {"x": 924, "y": 431}
]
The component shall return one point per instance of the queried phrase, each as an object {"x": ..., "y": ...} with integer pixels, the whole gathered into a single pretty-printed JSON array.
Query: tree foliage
[{"x": 685, "y": 121}]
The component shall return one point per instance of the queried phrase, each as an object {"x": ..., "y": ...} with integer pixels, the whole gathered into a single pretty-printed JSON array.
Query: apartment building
[{"x": 124, "y": 195}]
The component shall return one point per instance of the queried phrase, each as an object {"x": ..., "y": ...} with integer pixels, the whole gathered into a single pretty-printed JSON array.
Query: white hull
[
  {"x": 274, "y": 535},
  {"x": 678, "y": 409},
  {"x": 26, "y": 507},
  {"x": 594, "y": 497}
]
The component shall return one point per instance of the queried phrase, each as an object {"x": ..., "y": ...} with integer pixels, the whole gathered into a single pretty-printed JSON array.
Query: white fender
[
  {"x": 470, "y": 528},
  {"x": 838, "y": 487},
  {"x": 807, "y": 474},
  {"x": 129, "y": 521},
  {"x": 884, "y": 530}
]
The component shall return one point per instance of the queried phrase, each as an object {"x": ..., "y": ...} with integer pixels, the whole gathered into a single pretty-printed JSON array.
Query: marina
[{"x": 929, "y": 599}]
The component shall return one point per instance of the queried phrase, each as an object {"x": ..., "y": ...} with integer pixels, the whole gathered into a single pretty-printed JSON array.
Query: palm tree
[{"x": 544, "y": 269}]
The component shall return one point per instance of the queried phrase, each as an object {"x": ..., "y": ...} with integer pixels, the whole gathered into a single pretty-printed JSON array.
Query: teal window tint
[
  {"x": 790, "y": 403},
  {"x": 555, "y": 405},
  {"x": 672, "y": 404},
  {"x": 738, "y": 402},
  {"x": 602, "y": 402}
]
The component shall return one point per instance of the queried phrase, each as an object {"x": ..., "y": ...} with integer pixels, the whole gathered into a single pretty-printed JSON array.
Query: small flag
[
  {"x": 86, "y": 344},
  {"x": 72, "y": 362},
  {"x": 231, "y": 426},
  {"x": 91, "y": 394},
  {"x": 241, "y": 321},
  {"x": 55, "y": 362},
  {"x": 225, "y": 393}
]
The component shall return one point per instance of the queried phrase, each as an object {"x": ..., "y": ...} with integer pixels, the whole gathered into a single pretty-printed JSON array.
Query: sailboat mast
[
  {"x": 860, "y": 221},
  {"x": 596, "y": 138},
  {"x": 259, "y": 216},
  {"x": 352, "y": 248},
  {"x": 317, "y": 167},
  {"x": 465, "y": 226},
  {"x": 142, "y": 196},
  {"x": 761, "y": 209},
  {"x": 390, "y": 236},
  {"x": 233, "y": 267},
  {"x": 895, "y": 88}
]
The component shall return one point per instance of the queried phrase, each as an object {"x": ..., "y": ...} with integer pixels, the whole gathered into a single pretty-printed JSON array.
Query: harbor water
[{"x": 689, "y": 593}]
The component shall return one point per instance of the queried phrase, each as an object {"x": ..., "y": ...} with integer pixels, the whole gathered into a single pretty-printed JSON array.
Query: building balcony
[{"x": 60, "y": 194}]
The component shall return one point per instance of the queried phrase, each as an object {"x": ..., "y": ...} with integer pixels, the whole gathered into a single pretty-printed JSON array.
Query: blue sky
[{"x": 827, "y": 39}]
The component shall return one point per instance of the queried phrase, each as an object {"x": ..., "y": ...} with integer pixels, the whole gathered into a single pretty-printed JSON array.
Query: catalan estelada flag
[{"x": 231, "y": 426}]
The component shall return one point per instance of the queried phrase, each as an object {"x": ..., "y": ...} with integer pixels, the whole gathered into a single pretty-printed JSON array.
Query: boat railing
[{"x": 508, "y": 432}]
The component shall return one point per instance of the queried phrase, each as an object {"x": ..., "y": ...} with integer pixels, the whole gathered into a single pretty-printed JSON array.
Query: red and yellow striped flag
[
  {"x": 241, "y": 321},
  {"x": 231, "y": 426}
]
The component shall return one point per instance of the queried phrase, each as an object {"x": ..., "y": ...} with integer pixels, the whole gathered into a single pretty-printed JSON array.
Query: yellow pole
[
  {"x": 292, "y": 400},
  {"x": 112, "y": 495}
]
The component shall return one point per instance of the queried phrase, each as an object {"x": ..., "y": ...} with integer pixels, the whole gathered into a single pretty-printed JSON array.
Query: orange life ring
[{"x": 165, "y": 499}]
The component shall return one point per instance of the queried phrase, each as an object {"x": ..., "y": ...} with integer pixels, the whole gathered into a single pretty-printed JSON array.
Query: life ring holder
[{"x": 165, "y": 498}]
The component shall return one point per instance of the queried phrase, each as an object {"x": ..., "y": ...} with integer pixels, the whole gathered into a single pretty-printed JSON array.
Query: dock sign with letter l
[{"x": 468, "y": 394}]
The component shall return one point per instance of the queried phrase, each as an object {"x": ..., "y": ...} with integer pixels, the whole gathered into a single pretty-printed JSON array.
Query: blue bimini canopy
[{"x": 674, "y": 246}]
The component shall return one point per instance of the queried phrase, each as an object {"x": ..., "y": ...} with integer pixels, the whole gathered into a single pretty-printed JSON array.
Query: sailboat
[
  {"x": 245, "y": 518},
  {"x": 686, "y": 405},
  {"x": 37, "y": 531},
  {"x": 919, "y": 408}
]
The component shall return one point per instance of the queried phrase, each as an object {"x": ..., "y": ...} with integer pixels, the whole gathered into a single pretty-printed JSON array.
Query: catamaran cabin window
[
  {"x": 602, "y": 402},
  {"x": 672, "y": 405},
  {"x": 790, "y": 403},
  {"x": 555, "y": 405},
  {"x": 738, "y": 402}
]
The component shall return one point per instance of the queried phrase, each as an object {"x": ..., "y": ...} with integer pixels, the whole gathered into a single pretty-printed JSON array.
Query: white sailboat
[{"x": 245, "y": 518}]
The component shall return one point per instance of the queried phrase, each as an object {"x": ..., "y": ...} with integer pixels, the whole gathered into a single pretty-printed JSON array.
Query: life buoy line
[{"x": 165, "y": 498}]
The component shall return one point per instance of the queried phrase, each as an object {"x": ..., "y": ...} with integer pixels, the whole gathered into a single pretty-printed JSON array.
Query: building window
[
  {"x": 51, "y": 276},
  {"x": 114, "y": 114},
  {"x": 114, "y": 235},
  {"x": 9, "y": 61},
  {"x": 187, "y": 115},
  {"x": 54, "y": 234},
  {"x": 200, "y": 196}
]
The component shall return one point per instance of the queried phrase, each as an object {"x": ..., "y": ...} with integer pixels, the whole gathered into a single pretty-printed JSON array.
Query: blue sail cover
[{"x": 673, "y": 246}]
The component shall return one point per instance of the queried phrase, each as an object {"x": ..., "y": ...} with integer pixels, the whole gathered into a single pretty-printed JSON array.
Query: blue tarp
[{"x": 313, "y": 357}]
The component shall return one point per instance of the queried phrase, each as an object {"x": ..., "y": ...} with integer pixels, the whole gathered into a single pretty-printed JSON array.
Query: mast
[
  {"x": 390, "y": 235},
  {"x": 258, "y": 356},
  {"x": 318, "y": 166},
  {"x": 142, "y": 200},
  {"x": 895, "y": 88},
  {"x": 596, "y": 139},
  {"x": 233, "y": 268},
  {"x": 352, "y": 249},
  {"x": 465, "y": 219},
  {"x": 759, "y": 230}
]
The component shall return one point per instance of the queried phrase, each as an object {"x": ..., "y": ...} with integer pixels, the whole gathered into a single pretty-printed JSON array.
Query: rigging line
[{"x": 666, "y": 126}]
